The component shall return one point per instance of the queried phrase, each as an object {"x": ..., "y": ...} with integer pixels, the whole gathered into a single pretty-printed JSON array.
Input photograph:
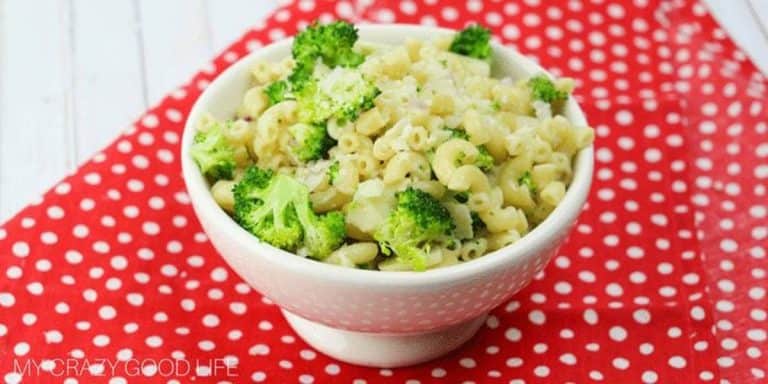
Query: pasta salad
[{"x": 390, "y": 157}]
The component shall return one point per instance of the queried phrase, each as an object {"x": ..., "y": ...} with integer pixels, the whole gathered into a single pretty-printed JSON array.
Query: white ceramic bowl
[{"x": 377, "y": 318}]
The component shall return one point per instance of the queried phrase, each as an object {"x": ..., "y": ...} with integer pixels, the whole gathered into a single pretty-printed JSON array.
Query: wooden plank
[
  {"x": 759, "y": 9},
  {"x": 35, "y": 115},
  {"x": 108, "y": 75},
  {"x": 737, "y": 19},
  {"x": 176, "y": 42},
  {"x": 230, "y": 19}
]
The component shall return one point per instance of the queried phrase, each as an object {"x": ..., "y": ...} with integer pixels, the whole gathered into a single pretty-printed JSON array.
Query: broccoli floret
[
  {"x": 276, "y": 208},
  {"x": 484, "y": 159},
  {"x": 526, "y": 181},
  {"x": 312, "y": 141},
  {"x": 295, "y": 82},
  {"x": 277, "y": 91},
  {"x": 333, "y": 172},
  {"x": 264, "y": 205},
  {"x": 542, "y": 88},
  {"x": 301, "y": 76},
  {"x": 213, "y": 153},
  {"x": 322, "y": 233},
  {"x": 330, "y": 42},
  {"x": 473, "y": 41},
  {"x": 342, "y": 94},
  {"x": 414, "y": 225}
]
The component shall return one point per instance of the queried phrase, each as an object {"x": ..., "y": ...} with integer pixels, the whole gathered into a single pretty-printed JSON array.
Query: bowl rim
[{"x": 561, "y": 218}]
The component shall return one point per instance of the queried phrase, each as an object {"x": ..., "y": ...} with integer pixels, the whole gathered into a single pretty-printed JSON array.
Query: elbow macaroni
[{"x": 442, "y": 124}]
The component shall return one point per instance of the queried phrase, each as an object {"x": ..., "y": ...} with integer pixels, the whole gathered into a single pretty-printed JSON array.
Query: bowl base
[{"x": 382, "y": 350}]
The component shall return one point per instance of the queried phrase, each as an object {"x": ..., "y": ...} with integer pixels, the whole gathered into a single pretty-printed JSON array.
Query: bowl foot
[{"x": 382, "y": 350}]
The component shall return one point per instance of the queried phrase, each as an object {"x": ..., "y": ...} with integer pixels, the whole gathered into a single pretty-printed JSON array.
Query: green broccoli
[
  {"x": 301, "y": 76},
  {"x": 333, "y": 172},
  {"x": 295, "y": 82},
  {"x": 542, "y": 88},
  {"x": 417, "y": 221},
  {"x": 484, "y": 159},
  {"x": 341, "y": 94},
  {"x": 473, "y": 41},
  {"x": 526, "y": 181},
  {"x": 322, "y": 233},
  {"x": 213, "y": 153},
  {"x": 312, "y": 141},
  {"x": 330, "y": 42},
  {"x": 277, "y": 91},
  {"x": 276, "y": 208}
]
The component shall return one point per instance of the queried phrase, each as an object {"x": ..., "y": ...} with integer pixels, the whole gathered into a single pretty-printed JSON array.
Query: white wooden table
[{"x": 74, "y": 72}]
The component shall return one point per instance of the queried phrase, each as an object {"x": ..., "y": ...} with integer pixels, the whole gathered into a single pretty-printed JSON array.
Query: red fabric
[{"x": 663, "y": 280}]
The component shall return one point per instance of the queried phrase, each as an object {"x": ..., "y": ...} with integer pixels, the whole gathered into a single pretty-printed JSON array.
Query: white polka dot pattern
[{"x": 112, "y": 262}]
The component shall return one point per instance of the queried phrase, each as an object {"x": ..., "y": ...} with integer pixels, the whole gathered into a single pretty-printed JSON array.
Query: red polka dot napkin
[{"x": 108, "y": 277}]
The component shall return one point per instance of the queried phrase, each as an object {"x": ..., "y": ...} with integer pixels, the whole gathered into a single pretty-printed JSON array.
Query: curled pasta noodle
[
  {"x": 496, "y": 145},
  {"x": 254, "y": 103},
  {"x": 223, "y": 195},
  {"x": 504, "y": 219},
  {"x": 239, "y": 132},
  {"x": 328, "y": 199},
  {"x": 442, "y": 104},
  {"x": 207, "y": 121},
  {"x": 271, "y": 122},
  {"x": 382, "y": 149},
  {"x": 469, "y": 178},
  {"x": 502, "y": 239},
  {"x": 336, "y": 130},
  {"x": 517, "y": 195},
  {"x": 541, "y": 150},
  {"x": 472, "y": 249},
  {"x": 462, "y": 219},
  {"x": 417, "y": 138},
  {"x": 432, "y": 187},
  {"x": 563, "y": 164},
  {"x": 367, "y": 166},
  {"x": 394, "y": 264},
  {"x": 242, "y": 157},
  {"x": 406, "y": 164},
  {"x": 512, "y": 99},
  {"x": 479, "y": 202},
  {"x": 262, "y": 72},
  {"x": 370, "y": 122},
  {"x": 553, "y": 193},
  {"x": 446, "y": 156},
  {"x": 350, "y": 142},
  {"x": 514, "y": 193},
  {"x": 348, "y": 177},
  {"x": 583, "y": 137},
  {"x": 478, "y": 86},
  {"x": 395, "y": 63},
  {"x": 272, "y": 160},
  {"x": 475, "y": 127},
  {"x": 413, "y": 46},
  {"x": 448, "y": 259},
  {"x": 355, "y": 254},
  {"x": 543, "y": 174}
]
